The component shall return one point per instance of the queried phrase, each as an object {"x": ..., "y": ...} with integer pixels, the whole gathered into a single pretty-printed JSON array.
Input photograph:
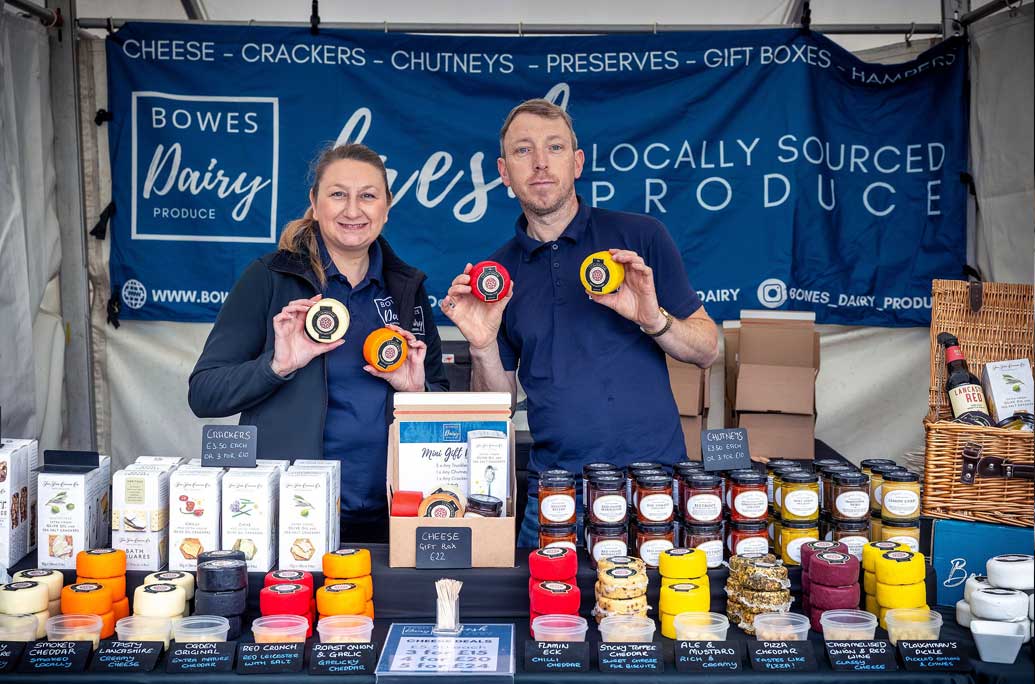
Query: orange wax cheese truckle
[
  {"x": 346, "y": 563},
  {"x": 343, "y": 598},
  {"x": 101, "y": 563},
  {"x": 87, "y": 598},
  {"x": 601, "y": 274},
  {"x": 385, "y": 349}
]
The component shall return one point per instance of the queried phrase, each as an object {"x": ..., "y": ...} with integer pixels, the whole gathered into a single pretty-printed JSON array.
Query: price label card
[
  {"x": 443, "y": 547},
  {"x": 51, "y": 657},
  {"x": 229, "y": 446},
  {"x": 725, "y": 449},
  {"x": 709, "y": 656},
  {"x": 478, "y": 649},
  {"x": 556, "y": 656},
  {"x": 342, "y": 659},
  {"x": 782, "y": 656},
  {"x": 215, "y": 656},
  {"x": 126, "y": 656},
  {"x": 861, "y": 656},
  {"x": 933, "y": 656},
  {"x": 10, "y": 652},
  {"x": 270, "y": 658},
  {"x": 630, "y": 657}
]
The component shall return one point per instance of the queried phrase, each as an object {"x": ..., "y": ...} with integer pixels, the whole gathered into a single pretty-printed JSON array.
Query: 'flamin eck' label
[
  {"x": 751, "y": 504},
  {"x": 704, "y": 507},
  {"x": 966, "y": 398},
  {"x": 557, "y": 507},
  {"x": 656, "y": 507},
  {"x": 901, "y": 502},
  {"x": 610, "y": 508}
]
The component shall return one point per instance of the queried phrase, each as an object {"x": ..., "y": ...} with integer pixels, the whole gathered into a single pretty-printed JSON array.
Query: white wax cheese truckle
[{"x": 999, "y": 604}]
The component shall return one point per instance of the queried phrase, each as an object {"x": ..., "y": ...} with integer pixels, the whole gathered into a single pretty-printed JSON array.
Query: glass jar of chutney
[
  {"x": 901, "y": 531},
  {"x": 591, "y": 469},
  {"x": 855, "y": 535},
  {"x": 851, "y": 497},
  {"x": 826, "y": 489},
  {"x": 877, "y": 473},
  {"x": 605, "y": 540},
  {"x": 606, "y": 504},
  {"x": 652, "y": 539},
  {"x": 749, "y": 501},
  {"x": 793, "y": 535},
  {"x": 702, "y": 498},
  {"x": 901, "y": 496},
  {"x": 557, "y": 500},
  {"x": 654, "y": 499},
  {"x": 706, "y": 538},
  {"x": 557, "y": 535},
  {"x": 748, "y": 537}
]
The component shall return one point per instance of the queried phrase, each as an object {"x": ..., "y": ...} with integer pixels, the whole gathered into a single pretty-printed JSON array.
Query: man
[{"x": 592, "y": 366}]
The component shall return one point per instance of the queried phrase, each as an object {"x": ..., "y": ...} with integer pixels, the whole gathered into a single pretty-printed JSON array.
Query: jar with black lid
[
  {"x": 900, "y": 499},
  {"x": 749, "y": 501},
  {"x": 799, "y": 495},
  {"x": 604, "y": 541},
  {"x": 851, "y": 497},
  {"x": 771, "y": 467},
  {"x": 589, "y": 470},
  {"x": 866, "y": 465},
  {"x": 747, "y": 537},
  {"x": 706, "y": 538},
  {"x": 652, "y": 539},
  {"x": 702, "y": 498},
  {"x": 680, "y": 471},
  {"x": 630, "y": 475},
  {"x": 855, "y": 535},
  {"x": 557, "y": 535},
  {"x": 778, "y": 485},
  {"x": 877, "y": 474},
  {"x": 557, "y": 501},
  {"x": 649, "y": 472},
  {"x": 654, "y": 498},
  {"x": 606, "y": 503},
  {"x": 483, "y": 506},
  {"x": 825, "y": 480}
]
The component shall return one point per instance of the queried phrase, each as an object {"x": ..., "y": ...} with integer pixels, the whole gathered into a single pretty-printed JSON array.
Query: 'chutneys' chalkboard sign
[
  {"x": 725, "y": 449},
  {"x": 229, "y": 446}
]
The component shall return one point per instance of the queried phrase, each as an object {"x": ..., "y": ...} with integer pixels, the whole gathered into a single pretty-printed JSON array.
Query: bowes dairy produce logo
[{"x": 204, "y": 168}]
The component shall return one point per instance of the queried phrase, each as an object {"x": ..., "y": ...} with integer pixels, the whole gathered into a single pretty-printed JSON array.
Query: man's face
[{"x": 540, "y": 165}]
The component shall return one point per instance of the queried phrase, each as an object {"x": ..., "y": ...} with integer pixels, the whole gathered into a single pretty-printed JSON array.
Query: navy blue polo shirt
[
  {"x": 354, "y": 429},
  {"x": 597, "y": 386}
]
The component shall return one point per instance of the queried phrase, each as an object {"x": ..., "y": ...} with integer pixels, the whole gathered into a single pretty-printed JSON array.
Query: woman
[{"x": 313, "y": 400}]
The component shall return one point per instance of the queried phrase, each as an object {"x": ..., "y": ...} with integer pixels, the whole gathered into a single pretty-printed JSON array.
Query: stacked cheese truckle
[
  {"x": 621, "y": 587},
  {"x": 757, "y": 584},
  {"x": 53, "y": 579},
  {"x": 348, "y": 587},
  {"x": 808, "y": 550},
  {"x": 27, "y": 597},
  {"x": 833, "y": 584},
  {"x": 222, "y": 587},
  {"x": 900, "y": 584},
  {"x": 106, "y": 567},
  {"x": 347, "y": 566},
  {"x": 998, "y": 606},
  {"x": 684, "y": 586},
  {"x": 277, "y": 599},
  {"x": 184, "y": 580},
  {"x": 552, "y": 585},
  {"x": 869, "y": 566},
  {"x": 90, "y": 598}
]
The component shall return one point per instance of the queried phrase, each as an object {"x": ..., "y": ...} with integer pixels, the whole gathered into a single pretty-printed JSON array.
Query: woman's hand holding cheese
[
  {"x": 292, "y": 348},
  {"x": 409, "y": 377}
]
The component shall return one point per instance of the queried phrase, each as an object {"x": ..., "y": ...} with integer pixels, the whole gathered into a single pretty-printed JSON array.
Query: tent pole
[
  {"x": 45, "y": 15},
  {"x": 544, "y": 29},
  {"x": 75, "y": 300}
]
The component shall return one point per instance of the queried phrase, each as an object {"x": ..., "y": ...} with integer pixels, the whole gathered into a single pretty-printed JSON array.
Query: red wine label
[{"x": 966, "y": 398}]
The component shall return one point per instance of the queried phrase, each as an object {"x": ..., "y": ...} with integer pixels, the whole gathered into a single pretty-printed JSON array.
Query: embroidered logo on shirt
[
  {"x": 418, "y": 321},
  {"x": 386, "y": 310}
]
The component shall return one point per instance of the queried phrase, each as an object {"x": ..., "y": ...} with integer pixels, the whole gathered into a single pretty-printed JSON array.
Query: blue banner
[{"x": 791, "y": 174}]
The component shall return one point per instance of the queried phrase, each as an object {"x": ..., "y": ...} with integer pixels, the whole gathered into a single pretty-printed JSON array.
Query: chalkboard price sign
[
  {"x": 629, "y": 658},
  {"x": 725, "y": 449},
  {"x": 443, "y": 547},
  {"x": 229, "y": 446},
  {"x": 709, "y": 656},
  {"x": 49, "y": 657},
  {"x": 933, "y": 656},
  {"x": 342, "y": 659},
  {"x": 214, "y": 656},
  {"x": 782, "y": 656},
  {"x": 556, "y": 656},
  {"x": 126, "y": 656},
  {"x": 270, "y": 658},
  {"x": 10, "y": 652},
  {"x": 861, "y": 656}
]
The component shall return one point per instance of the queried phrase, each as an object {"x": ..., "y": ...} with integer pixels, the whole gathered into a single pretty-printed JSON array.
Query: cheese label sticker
[
  {"x": 678, "y": 552},
  {"x": 286, "y": 588},
  {"x": 99, "y": 552},
  {"x": 597, "y": 274},
  {"x": 159, "y": 588},
  {"x": 553, "y": 552},
  {"x": 622, "y": 560},
  {"x": 899, "y": 556},
  {"x": 16, "y": 586},
  {"x": 85, "y": 587},
  {"x": 620, "y": 573},
  {"x": 684, "y": 587},
  {"x": 164, "y": 576},
  {"x": 834, "y": 558},
  {"x": 1011, "y": 558},
  {"x": 37, "y": 573},
  {"x": 287, "y": 575},
  {"x": 343, "y": 586},
  {"x": 556, "y": 587},
  {"x": 220, "y": 564},
  {"x": 346, "y": 552}
]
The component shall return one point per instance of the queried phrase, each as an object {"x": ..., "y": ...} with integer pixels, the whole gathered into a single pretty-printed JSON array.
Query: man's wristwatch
[{"x": 664, "y": 328}]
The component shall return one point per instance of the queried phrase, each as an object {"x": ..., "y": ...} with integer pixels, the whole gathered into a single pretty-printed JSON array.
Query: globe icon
[{"x": 134, "y": 294}]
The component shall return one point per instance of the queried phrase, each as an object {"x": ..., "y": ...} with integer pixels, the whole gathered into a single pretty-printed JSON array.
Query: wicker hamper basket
[{"x": 1000, "y": 329}]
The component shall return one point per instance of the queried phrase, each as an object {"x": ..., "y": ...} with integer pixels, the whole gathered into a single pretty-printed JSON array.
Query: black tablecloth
[{"x": 501, "y": 595}]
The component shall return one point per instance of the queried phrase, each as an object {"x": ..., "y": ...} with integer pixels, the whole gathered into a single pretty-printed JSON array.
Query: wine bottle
[{"x": 963, "y": 387}]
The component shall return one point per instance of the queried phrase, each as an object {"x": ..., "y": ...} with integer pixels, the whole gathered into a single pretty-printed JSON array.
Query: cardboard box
[
  {"x": 249, "y": 515},
  {"x": 690, "y": 387},
  {"x": 333, "y": 466},
  {"x": 140, "y": 515},
  {"x": 17, "y": 510},
  {"x": 492, "y": 539},
  {"x": 774, "y": 382},
  {"x": 74, "y": 508},
  {"x": 195, "y": 496},
  {"x": 305, "y": 519},
  {"x": 731, "y": 344},
  {"x": 961, "y": 549},
  {"x": 1008, "y": 388}
]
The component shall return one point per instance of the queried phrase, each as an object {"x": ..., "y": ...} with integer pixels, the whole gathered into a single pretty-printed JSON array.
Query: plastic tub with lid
[
  {"x": 913, "y": 624},
  {"x": 280, "y": 629},
  {"x": 18, "y": 627},
  {"x": 781, "y": 627},
  {"x": 345, "y": 629},
  {"x": 559, "y": 628},
  {"x": 75, "y": 627},
  {"x": 201, "y": 628},
  {"x": 699, "y": 626},
  {"x": 848, "y": 625},
  {"x": 629, "y": 629},
  {"x": 144, "y": 628}
]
